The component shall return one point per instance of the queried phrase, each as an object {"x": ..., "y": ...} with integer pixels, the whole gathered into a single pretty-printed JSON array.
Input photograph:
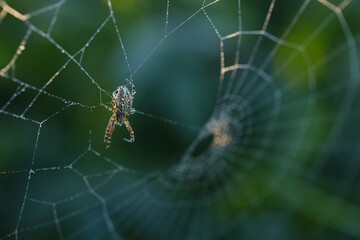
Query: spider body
[{"x": 122, "y": 100}]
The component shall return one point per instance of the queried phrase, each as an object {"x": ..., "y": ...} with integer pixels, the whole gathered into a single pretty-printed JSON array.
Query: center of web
[{"x": 229, "y": 124}]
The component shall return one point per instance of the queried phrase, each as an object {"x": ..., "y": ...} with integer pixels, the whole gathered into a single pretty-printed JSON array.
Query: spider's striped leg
[
  {"x": 109, "y": 131},
  {"x": 129, "y": 128},
  {"x": 107, "y": 107},
  {"x": 133, "y": 89}
]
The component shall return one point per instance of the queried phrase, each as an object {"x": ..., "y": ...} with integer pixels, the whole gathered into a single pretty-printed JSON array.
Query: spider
[{"x": 121, "y": 108}]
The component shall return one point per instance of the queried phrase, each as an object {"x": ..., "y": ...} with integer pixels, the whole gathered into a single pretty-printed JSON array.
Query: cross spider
[{"x": 121, "y": 108}]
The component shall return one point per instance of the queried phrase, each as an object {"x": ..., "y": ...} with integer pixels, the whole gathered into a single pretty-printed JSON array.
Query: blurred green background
[{"x": 290, "y": 171}]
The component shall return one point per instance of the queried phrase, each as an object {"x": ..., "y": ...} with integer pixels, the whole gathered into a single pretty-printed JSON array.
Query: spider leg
[
  {"x": 129, "y": 128},
  {"x": 109, "y": 131},
  {"x": 107, "y": 107},
  {"x": 133, "y": 89}
]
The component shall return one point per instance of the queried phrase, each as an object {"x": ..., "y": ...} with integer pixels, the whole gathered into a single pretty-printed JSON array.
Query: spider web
[{"x": 246, "y": 119}]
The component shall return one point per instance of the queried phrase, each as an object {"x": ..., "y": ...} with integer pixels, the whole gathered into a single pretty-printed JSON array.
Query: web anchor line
[{"x": 169, "y": 121}]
